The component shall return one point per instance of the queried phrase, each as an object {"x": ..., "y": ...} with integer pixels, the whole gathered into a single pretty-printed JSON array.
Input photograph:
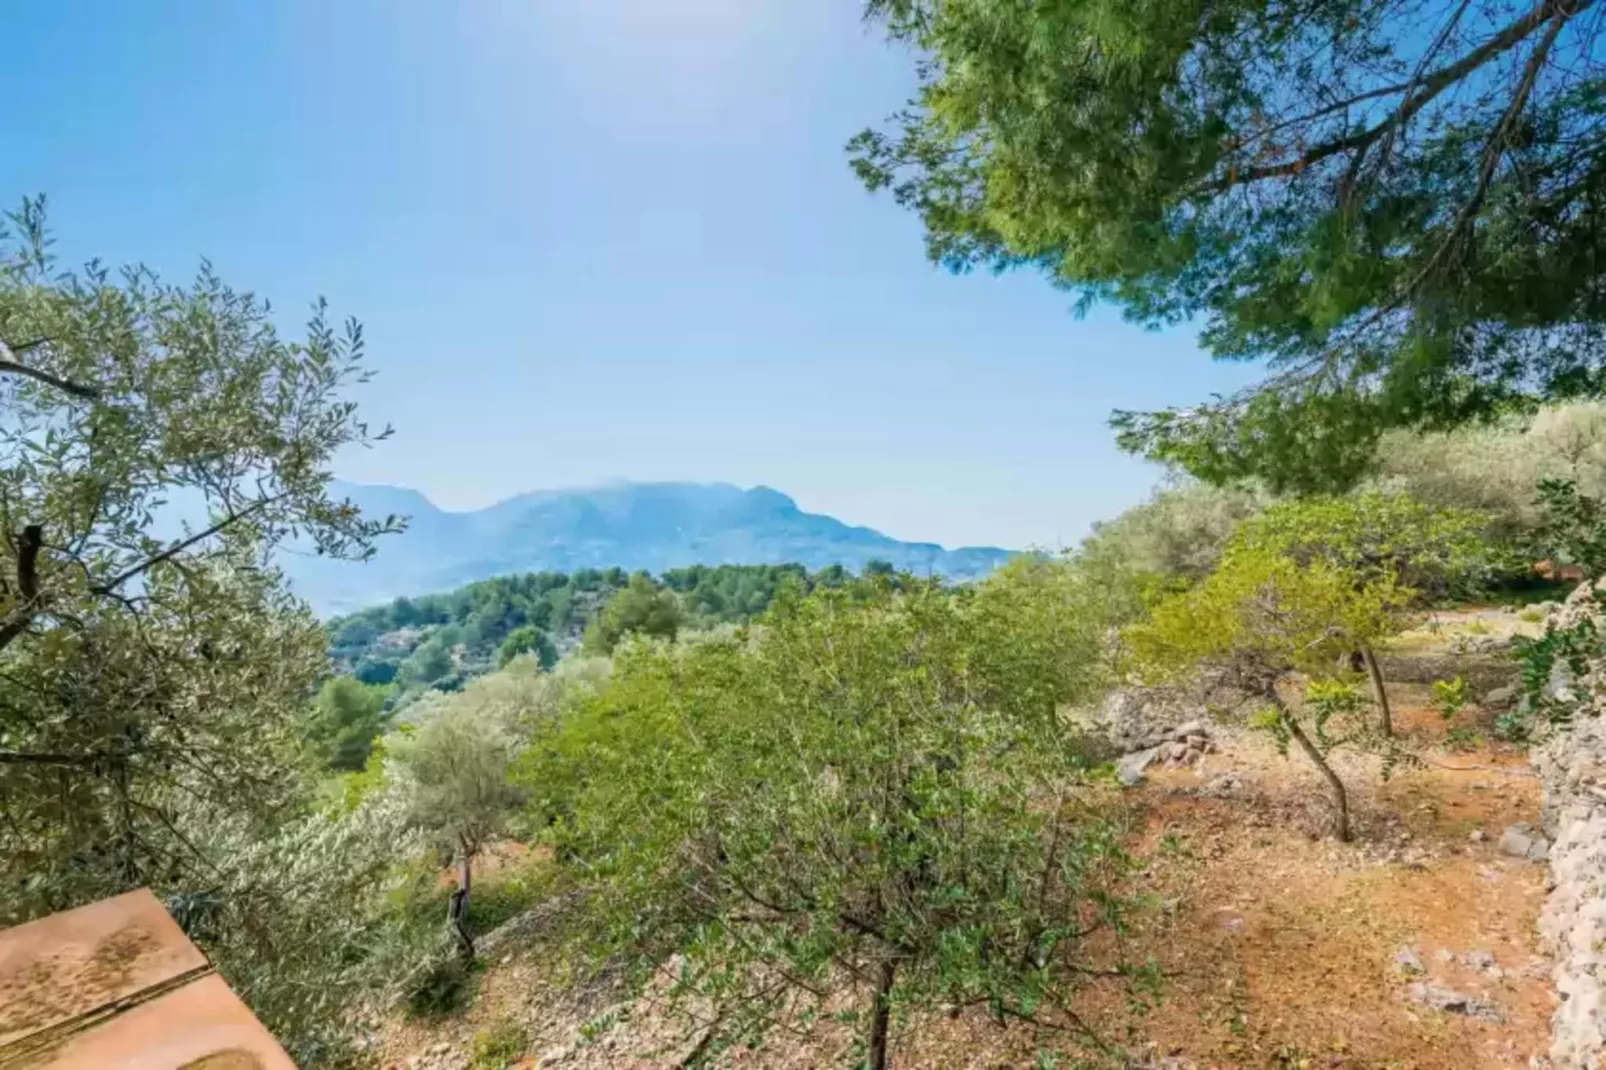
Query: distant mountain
[{"x": 651, "y": 526}]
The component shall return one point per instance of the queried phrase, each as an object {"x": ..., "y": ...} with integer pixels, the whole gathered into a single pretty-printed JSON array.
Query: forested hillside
[{"x": 439, "y": 641}]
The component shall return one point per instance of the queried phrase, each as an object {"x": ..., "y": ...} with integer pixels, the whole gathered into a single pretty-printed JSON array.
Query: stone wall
[{"x": 1572, "y": 768}]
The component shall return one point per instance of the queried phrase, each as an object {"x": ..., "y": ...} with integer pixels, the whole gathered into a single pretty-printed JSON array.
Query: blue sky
[{"x": 589, "y": 240}]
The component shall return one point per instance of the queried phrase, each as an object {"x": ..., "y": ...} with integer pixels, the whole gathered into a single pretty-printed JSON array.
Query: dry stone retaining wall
[{"x": 1572, "y": 771}]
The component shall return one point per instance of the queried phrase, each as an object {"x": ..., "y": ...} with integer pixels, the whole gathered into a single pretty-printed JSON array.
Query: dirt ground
[{"x": 1280, "y": 947}]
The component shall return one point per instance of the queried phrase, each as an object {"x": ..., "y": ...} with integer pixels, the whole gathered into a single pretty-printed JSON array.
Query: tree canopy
[
  {"x": 1258, "y": 619},
  {"x": 141, "y": 671},
  {"x": 1395, "y": 205},
  {"x": 877, "y": 786},
  {"x": 1435, "y": 551}
]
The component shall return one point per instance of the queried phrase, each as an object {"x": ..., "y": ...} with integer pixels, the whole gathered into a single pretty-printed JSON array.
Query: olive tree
[
  {"x": 159, "y": 444},
  {"x": 873, "y": 791},
  {"x": 453, "y": 770},
  {"x": 1256, "y": 623},
  {"x": 299, "y": 917}
]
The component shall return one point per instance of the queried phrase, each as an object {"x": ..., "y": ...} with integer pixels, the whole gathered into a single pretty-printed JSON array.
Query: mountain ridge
[{"x": 653, "y": 526}]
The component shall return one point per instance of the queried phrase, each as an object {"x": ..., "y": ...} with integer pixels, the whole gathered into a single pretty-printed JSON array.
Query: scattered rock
[
  {"x": 1439, "y": 998},
  {"x": 1409, "y": 961},
  {"x": 1501, "y": 698},
  {"x": 1129, "y": 769},
  {"x": 1478, "y": 836},
  {"x": 1521, "y": 841},
  {"x": 554, "y": 1057},
  {"x": 1444, "y": 955},
  {"x": 1480, "y": 960}
]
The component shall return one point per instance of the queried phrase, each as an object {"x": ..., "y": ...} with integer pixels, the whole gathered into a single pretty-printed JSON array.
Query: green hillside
[{"x": 439, "y": 641}]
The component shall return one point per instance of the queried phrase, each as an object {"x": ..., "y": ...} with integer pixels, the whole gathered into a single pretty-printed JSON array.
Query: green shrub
[
  {"x": 440, "y": 987},
  {"x": 498, "y": 1047},
  {"x": 868, "y": 784},
  {"x": 1449, "y": 697}
]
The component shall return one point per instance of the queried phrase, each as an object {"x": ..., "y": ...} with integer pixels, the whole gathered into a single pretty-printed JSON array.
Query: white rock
[
  {"x": 1409, "y": 961},
  {"x": 1129, "y": 769}
]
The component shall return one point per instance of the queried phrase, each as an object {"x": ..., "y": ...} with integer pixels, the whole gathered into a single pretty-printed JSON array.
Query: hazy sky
[{"x": 589, "y": 240}]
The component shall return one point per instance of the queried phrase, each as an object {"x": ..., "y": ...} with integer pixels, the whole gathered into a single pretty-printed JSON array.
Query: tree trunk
[
  {"x": 457, "y": 906},
  {"x": 881, "y": 1017},
  {"x": 1340, "y": 797},
  {"x": 1380, "y": 695}
]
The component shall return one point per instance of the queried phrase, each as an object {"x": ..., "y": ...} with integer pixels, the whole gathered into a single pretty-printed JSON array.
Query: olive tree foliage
[
  {"x": 139, "y": 668},
  {"x": 1180, "y": 532},
  {"x": 872, "y": 795},
  {"x": 1257, "y": 622},
  {"x": 299, "y": 918},
  {"x": 1494, "y": 468},
  {"x": 454, "y": 770},
  {"x": 1393, "y": 204}
]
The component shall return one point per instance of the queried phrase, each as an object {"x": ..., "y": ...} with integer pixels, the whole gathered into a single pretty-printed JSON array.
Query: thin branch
[
  {"x": 184, "y": 544},
  {"x": 1431, "y": 87},
  {"x": 10, "y": 365},
  {"x": 64, "y": 760},
  {"x": 1495, "y": 146}
]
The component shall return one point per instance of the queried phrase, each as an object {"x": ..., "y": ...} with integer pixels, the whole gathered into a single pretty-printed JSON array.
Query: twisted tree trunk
[
  {"x": 1380, "y": 695},
  {"x": 881, "y": 1016},
  {"x": 457, "y": 906},
  {"x": 1340, "y": 796}
]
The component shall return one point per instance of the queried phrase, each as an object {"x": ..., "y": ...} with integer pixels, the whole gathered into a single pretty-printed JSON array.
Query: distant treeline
[{"x": 440, "y": 640}]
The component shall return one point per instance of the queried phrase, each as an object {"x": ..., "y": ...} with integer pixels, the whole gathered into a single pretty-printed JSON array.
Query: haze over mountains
[{"x": 651, "y": 526}]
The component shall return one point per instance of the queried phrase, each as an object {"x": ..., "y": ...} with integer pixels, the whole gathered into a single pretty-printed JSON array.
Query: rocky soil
[{"x": 1418, "y": 946}]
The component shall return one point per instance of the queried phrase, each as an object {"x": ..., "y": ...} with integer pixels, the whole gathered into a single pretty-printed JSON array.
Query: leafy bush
[
  {"x": 1179, "y": 533},
  {"x": 877, "y": 782},
  {"x": 1435, "y": 551},
  {"x": 1493, "y": 468},
  {"x": 1257, "y": 620},
  {"x": 1450, "y": 697},
  {"x": 439, "y": 988},
  {"x": 498, "y": 1047}
]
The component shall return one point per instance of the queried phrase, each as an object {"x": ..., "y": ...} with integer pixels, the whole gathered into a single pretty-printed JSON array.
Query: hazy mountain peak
[{"x": 652, "y": 526}]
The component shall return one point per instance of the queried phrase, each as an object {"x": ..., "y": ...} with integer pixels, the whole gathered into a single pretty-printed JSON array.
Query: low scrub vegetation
[{"x": 803, "y": 796}]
